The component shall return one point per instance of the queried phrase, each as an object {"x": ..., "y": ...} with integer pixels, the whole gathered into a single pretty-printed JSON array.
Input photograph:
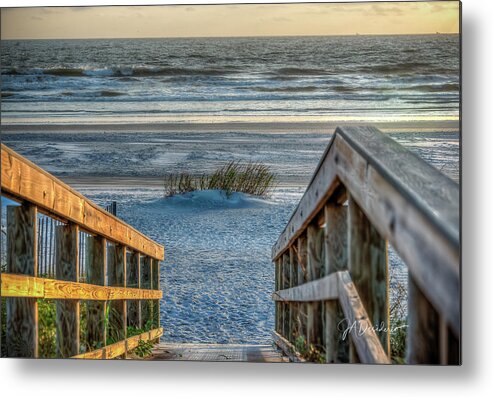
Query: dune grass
[{"x": 250, "y": 178}]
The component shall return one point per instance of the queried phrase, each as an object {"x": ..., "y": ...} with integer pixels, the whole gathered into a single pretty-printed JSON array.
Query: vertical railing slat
[
  {"x": 67, "y": 311},
  {"x": 145, "y": 283},
  {"x": 96, "y": 310},
  {"x": 117, "y": 316},
  {"x": 302, "y": 278},
  {"x": 423, "y": 344},
  {"x": 336, "y": 259},
  {"x": 133, "y": 281},
  {"x": 22, "y": 258},
  {"x": 368, "y": 266},
  {"x": 155, "y": 285},
  {"x": 315, "y": 238}
]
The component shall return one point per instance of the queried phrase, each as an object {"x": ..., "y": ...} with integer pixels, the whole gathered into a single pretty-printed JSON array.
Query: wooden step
[{"x": 217, "y": 352}]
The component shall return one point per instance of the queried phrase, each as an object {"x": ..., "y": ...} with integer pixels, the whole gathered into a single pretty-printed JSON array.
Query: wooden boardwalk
[{"x": 217, "y": 352}]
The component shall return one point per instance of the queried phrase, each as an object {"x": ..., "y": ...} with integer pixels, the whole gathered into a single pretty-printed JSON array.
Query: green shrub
[{"x": 47, "y": 328}]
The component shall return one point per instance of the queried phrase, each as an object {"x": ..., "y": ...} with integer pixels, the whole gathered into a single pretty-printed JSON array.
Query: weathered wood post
[
  {"x": 293, "y": 306},
  {"x": 276, "y": 304},
  {"x": 133, "y": 281},
  {"x": 22, "y": 258},
  {"x": 368, "y": 266},
  {"x": 155, "y": 286},
  {"x": 336, "y": 259},
  {"x": 285, "y": 305},
  {"x": 423, "y": 344},
  {"x": 315, "y": 238},
  {"x": 67, "y": 311},
  {"x": 117, "y": 264},
  {"x": 96, "y": 274},
  {"x": 146, "y": 283},
  {"x": 302, "y": 278}
]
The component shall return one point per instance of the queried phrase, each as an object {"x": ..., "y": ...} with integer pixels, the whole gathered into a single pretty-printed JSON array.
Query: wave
[
  {"x": 108, "y": 93},
  {"x": 121, "y": 71},
  {"x": 300, "y": 72},
  {"x": 450, "y": 87},
  {"x": 309, "y": 88},
  {"x": 404, "y": 68}
]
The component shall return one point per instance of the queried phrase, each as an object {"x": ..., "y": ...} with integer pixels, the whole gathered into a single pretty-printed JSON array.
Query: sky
[{"x": 229, "y": 20}]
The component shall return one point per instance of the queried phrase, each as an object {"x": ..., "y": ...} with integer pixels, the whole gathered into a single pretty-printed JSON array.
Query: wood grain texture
[
  {"x": 359, "y": 328},
  {"x": 133, "y": 280},
  {"x": 431, "y": 255},
  {"x": 315, "y": 269},
  {"x": 423, "y": 333},
  {"x": 287, "y": 348},
  {"x": 117, "y": 264},
  {"x": 119, "y": 348},
  {"x": 67, "y": 311},
  {"x": 217, "y": 352},
  {"x": 146, "y": 306},
  {"x": 96, "y": 262},
  {"x": 302, "y": 255},
  {"x": 16, "y": 285},
  {"x": 319, "y": 290},
  {"x": 410, "y": 203},
  {"x": 368, "y": 267},
  {"x": 22, "y": 258},
  {"x": 24, "y": 180},
  {"x": 336, "y": 259}
]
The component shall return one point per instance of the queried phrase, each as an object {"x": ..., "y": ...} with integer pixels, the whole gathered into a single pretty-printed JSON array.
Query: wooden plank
[
  {"x": 315, "y": 267},
  {"x": 146, "y": 282},
  {"x": 360, "y": 329},
  {"x": 285, "y": 305},
  {"x": 155, "y": 286},
  {"x": 96, "y": 258},
  {"x": 336, "y": 259},
  {"x": 133, "y": 280},
  {"x": 313, "y": 291},
  {"x": 67, "y": 311},
  {"x": 423, "y": 333},
  {"x": 276, "y": 304},
  {"x": 368, "y": 267},
  {"x": 292, "y": 305},
  {"x": 411, "y": 204},
  {"x": 117, "y": 312},
  {"x": 302, "y": 249},
  {"x": 119, "y": 348},
  {"x": 287, "y": 348},
  {"x": 20, "y": 286},
  {"x": 22, "y": 258},
  {"x": 24, "y": 180},
  {"x": 217, "y": 352}
]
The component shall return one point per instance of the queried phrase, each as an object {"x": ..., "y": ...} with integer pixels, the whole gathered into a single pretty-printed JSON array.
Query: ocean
[
  {"x": 231, "y": 79},
  {"x": 113, "y": 118}
]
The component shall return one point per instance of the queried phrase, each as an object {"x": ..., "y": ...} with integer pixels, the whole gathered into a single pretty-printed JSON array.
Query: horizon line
[{"x": 234, "y": 37}]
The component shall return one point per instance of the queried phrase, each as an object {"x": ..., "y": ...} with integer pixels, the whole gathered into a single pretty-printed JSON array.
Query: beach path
[{"x": 217, "y": 352}]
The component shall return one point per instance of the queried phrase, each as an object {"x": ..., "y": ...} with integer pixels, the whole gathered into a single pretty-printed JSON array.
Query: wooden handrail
[
  {"x": 20, "y": 286},
  {"x": 395, "y": 197},
  {"x": 119, "y": 348},
  {"x": 25, "y": 181},
  {"x": 339, "y": 286},
  {"x": 108, "y": 243}
]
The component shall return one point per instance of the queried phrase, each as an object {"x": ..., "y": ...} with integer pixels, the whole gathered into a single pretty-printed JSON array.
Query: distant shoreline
[{"x": 271, "y": 126}]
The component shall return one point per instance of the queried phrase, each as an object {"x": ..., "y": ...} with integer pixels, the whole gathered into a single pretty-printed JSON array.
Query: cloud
[{"x": 380, "y": 10}]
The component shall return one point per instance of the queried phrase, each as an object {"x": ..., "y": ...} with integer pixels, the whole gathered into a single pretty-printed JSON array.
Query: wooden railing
[
  {"x": 332, "y": 279},
  {"x": 120, "y": 287}
]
